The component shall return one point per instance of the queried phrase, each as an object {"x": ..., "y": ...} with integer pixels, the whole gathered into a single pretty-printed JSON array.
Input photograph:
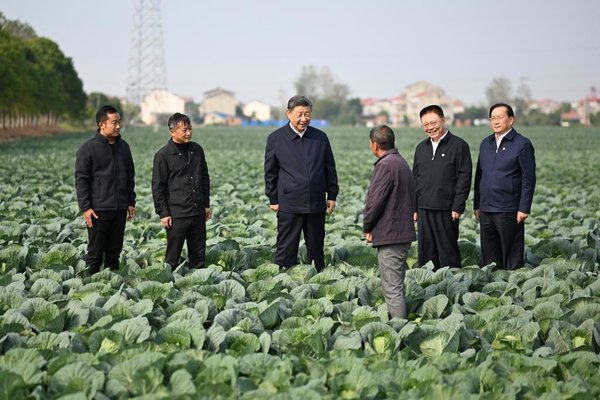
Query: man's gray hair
[
  {"x": 384, "y": 136},
  {"x": 299, "y": 101}
]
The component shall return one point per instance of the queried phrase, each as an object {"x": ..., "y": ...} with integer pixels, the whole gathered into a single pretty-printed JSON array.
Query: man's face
[
  {"x": 500, "y": 120},
  {"x": 111, "y": 128},
  {"x": 433, "y": 126},
  {"x": 299, "y": 117},
  {"x": 182, "y": 134}
]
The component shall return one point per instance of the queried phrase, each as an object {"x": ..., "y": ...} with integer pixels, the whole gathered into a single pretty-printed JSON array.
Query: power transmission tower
[{"x": 147, "y": 70}]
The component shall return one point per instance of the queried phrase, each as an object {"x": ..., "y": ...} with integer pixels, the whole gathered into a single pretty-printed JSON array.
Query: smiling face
[
  {"x": 299, "y": 117},
  {"x": 500, "y": 121},
  {"x": 433, "y": 125},
  {"x": 182, "y": 134}
]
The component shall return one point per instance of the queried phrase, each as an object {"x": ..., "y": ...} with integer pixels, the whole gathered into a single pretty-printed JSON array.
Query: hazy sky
[{"x": 257, "y": 48}]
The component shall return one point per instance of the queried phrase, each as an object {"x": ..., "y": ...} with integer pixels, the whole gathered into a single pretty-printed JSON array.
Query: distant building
[
  {"x": 215, "y": 118},
  {"x": 404, "y": 109},
  {"x": 543, "y": 106},
  {"x": 257, "y": 111},
  {"x": 218, "y": 101},
  {"x": 570, "y": 118},
  {"x": 159, "y": 104},
  {"x": 587, "y": 106},
  {"x": 581, "y": 110},
  {"x": 420, "y": 95}
]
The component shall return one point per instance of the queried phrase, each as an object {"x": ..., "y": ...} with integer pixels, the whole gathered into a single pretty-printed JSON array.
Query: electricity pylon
[{"x": 147, "y": 70}]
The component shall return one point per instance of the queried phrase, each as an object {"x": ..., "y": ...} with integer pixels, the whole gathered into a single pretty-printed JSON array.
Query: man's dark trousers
[
  {"x": 441, "y": 246},
  {"x": 502, "y": 240},
  {"x": 105, "y": 240},
  {"x": 191, "y": 230},
  {"x": 289, "y": 226}
]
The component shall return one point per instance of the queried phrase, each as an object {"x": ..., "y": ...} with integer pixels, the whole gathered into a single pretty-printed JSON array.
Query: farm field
[{"x": 239, "y": 328}]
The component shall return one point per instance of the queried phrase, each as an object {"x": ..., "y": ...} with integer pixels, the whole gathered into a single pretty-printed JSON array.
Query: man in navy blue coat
[
  {"x": 504, "y": 185},
  {"x": 301, "y": 184}
]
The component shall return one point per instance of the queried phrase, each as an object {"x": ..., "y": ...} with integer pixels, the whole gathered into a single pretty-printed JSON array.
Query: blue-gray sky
[{"x": 377, "y": 47}]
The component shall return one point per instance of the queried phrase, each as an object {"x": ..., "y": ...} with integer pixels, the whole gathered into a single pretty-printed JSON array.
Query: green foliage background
[{"x": 240, "y": 328}]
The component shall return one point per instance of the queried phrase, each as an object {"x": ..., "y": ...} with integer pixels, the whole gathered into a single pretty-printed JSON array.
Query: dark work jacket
[
  {"x": 443, "y": 181},
  {"x": 104, "y": 175},
  {"x": 300, "y": 171},
  {"x": 180, "y": 183},
  {"x": 388, "y": 212},
  {"x": 505, "y": 179}
]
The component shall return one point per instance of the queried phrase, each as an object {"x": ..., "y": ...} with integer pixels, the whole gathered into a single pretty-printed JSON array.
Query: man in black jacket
[
  {"x": 181, "y": 192},
  {"x": 442, "y": 175},
  {"x": 301, "y": 184},
  {"x": 387, "y": 216},
  {"x": 104, "y": 182}
]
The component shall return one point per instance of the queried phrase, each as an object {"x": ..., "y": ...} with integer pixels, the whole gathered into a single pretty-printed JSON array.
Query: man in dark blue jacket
[
  {"x": 181, "y": 193},
  {"x": 388, "y": 216},
  {"x": 301, "y": 184},
  {"x": 504, "y": 185},
  {"x": 104, "y": 182}
]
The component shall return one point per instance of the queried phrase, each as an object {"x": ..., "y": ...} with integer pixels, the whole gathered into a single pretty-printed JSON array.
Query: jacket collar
[
  {"x": 173, "y": 148},
  {"x": 105, "y": 140},
  {"x": 291, "y": 134},
  {"x": 387, "y": 153},
  {"x": 509, "y": 136},
  {"x": 445, "y": 139}
]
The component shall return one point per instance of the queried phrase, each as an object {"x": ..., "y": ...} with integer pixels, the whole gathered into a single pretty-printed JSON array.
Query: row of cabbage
[{"x": 240, "y": 328}]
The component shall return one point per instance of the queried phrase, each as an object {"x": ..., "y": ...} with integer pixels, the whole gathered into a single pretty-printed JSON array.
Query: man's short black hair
[
  {"x": 384, "y": 136},
  {"x": 102, "y": 113},
  {"x": 509, "y": 110},
  {"x": 176, "y": 119},
  {"x": 434, "y": 108}
]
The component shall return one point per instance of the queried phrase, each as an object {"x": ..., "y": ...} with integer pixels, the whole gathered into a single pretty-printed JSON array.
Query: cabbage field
[{"x": 240, "y": 328}]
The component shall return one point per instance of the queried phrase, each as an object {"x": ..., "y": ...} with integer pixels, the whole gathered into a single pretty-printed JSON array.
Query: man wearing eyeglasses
[
  {"x": 442, "y": 176},
  {"x": 504, "y": 185}
]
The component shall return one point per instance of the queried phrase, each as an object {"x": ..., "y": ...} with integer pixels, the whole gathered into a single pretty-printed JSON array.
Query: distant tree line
[
  {"x": 331, "y": 99},
  {"x": 38, "y": 84}
]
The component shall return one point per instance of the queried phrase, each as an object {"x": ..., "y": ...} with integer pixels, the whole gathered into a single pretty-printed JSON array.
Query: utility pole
[{"x": 147, "y": 70}]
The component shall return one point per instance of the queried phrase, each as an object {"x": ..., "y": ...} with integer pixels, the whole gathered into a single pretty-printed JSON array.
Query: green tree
[
  {"x": 39, "y": 84},
  {"x": 330, "y": 98},
  {"x": 473, "y": 113},
  {"x": 17, "y": 80},
  {"x": 17, "y": 28},
  {"x": 95, "y": 100}
]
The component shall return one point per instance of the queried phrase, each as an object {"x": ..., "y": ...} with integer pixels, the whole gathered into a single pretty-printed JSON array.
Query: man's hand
[
  {"x": 87, "y": 216},
  {"x": 207, "y": 213},
  {"x": 477, "y": 214},
  {"x": 274, "y": 207},
  {"x": 368, "y": 237},
  {"x": 455, "y": 216},
  {"x": 330, "y": 206},
  {"x": 166, "y": 222},
  {"x": 131, "y": 213},
  {"x": 521, "y": 217},
  {"x": 415, "y": 216}
]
